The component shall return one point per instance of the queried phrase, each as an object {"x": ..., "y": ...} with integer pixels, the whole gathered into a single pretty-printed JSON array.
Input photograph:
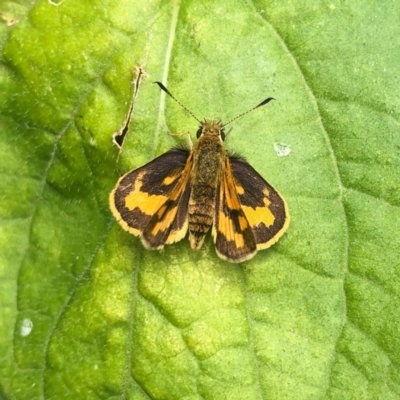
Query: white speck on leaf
[
  {"x": 282, "y": 149},
  {"x": 26, "y": 327}
]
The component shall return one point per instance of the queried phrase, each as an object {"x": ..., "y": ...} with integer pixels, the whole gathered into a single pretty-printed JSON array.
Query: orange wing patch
[{"x": 265, "y": 209}]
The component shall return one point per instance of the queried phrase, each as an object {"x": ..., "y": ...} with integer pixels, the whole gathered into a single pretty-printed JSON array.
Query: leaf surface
[{"x": 86, "y": 312}]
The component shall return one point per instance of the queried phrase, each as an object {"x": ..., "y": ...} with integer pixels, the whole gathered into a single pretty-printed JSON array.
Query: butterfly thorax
[{"x": 209, "y": 158}]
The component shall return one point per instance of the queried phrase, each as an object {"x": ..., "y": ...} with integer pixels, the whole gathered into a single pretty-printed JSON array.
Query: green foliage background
[{"x": 87, "y": 313}]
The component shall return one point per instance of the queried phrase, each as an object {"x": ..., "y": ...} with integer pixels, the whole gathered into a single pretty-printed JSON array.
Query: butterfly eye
[
  {"x": 199, "y": 132},
  {"x": 222, "y": 133}
]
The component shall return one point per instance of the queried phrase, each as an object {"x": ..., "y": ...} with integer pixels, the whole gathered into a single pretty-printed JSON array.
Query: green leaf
[{"x": 87, "y": 313}]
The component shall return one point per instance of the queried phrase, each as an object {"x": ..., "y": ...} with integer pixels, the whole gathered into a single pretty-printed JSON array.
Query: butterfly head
[{"x": 211, "y": 127}]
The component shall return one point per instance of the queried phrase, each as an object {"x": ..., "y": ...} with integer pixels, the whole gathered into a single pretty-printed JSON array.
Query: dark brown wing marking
[{"x": 264, "y": 207}]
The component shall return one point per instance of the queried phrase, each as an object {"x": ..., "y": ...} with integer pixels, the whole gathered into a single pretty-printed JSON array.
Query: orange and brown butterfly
[{"x": 197, "y": 189}]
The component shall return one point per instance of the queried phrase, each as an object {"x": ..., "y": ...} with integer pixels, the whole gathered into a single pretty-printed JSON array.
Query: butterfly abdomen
[
  {"x": 208, "y": 161},
  {"x": 201, "y": 213}
]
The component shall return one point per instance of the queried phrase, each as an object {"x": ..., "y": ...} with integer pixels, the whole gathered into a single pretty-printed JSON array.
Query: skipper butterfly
[{"x": 198, "y": 189}]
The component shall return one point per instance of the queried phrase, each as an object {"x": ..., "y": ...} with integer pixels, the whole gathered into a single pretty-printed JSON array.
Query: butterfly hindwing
[
  {"x": 151, "y": 201},
  {"x": 265, "y": 209}
]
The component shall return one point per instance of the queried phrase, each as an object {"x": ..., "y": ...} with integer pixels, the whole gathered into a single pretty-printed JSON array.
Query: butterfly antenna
[
  {"x": 263, "y": 103},
  {"x": 163, "y": 88}
]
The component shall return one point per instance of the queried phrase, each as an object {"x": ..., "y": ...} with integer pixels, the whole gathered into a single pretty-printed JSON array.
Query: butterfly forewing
[
  {"x": 170, "y": 223},
  {"x": 142, "y": 194},
  {"x": 232, "y": 232}
]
